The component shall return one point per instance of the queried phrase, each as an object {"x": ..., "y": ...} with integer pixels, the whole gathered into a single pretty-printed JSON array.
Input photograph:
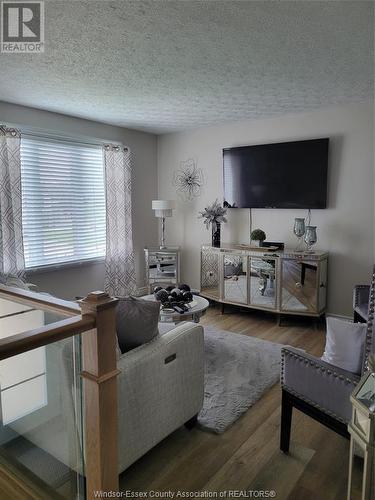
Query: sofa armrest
[
  {"x": 169, "y": 370},
  {"x": 161, "y": 386},
  {"x": 320, "y": 384},
  {"x": 360, "y": 295}
]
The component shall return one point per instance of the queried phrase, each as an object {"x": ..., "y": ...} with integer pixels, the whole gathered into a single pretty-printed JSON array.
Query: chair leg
[
  {"x": 286, "y": 422},
  {"x": 191, "y": 422}
]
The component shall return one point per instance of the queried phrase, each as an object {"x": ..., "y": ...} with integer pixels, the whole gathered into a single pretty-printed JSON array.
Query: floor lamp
[{"x": 163, "y": 209}]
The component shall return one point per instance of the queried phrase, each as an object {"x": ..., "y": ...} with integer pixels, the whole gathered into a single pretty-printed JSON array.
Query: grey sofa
[
  {"x": 160, "y": 388},
  {"x": 319, "y": 389}
]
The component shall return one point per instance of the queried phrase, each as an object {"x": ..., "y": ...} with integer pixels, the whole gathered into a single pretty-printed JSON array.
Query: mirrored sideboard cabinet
[{"x": 284, "y": 282}]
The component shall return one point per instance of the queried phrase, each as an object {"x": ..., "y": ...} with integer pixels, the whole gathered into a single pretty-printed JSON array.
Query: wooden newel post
[{"x": 100, "y": 395}]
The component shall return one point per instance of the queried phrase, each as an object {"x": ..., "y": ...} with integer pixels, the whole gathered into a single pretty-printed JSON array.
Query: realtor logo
[{"x": 22, "y": 27}]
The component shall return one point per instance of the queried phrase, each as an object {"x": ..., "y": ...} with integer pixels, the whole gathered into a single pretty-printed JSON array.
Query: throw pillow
[
  {"x": 136, "y": 322},
  {"x": 344, "y": 344}
]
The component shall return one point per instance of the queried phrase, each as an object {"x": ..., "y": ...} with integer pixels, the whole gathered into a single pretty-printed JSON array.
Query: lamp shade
[
  {"x": 163, "y": 204},
  {"x": 163, "y": 208}
]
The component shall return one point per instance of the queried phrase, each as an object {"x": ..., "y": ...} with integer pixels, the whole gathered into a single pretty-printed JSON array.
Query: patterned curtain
[
  {"x": 120, "y": 277},
  {"x": 12, "y": 262}
]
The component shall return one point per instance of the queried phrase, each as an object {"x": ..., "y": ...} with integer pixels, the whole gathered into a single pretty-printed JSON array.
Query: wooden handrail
[
  {"x": 38, "y": 300},
  {"x": 47, "y": 334}
]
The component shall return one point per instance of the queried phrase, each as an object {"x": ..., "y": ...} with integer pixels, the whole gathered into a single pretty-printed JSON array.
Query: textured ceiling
[{"x": 170, "y": 65}]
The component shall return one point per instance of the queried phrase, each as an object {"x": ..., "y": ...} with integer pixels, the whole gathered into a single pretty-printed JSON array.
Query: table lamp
[{"x": 163, "y": 209}]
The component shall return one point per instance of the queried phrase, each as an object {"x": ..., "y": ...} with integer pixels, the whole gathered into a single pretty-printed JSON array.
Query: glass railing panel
[
  {"x": 26, "y": 316},
  {"x": 41, "y": 413},
  {"x": 9, "y": 307}
]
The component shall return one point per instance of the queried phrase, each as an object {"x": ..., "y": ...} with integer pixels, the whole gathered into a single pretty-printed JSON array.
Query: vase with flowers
[{"x": 214, "y": 216}]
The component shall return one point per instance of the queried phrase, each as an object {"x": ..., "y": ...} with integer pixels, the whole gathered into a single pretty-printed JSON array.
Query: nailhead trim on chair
[
  {"x": 285, "y": 352},
  {"x": 370, "y": 323}
]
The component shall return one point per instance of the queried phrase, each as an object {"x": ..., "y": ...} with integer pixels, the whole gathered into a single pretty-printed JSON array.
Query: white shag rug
[{"x": 238, "y": 370}]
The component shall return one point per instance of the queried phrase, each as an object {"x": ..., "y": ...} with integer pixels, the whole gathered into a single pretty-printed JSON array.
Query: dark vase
[{"x": 216, "y": 235}]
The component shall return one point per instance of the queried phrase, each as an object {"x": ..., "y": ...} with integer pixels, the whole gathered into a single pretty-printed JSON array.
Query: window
[{"x": 63, "y": 201}]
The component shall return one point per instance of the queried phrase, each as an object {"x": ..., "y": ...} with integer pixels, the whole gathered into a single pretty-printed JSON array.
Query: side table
[
  {"x": 162, "y": 266},
  {"x": 198, "y": 309}
]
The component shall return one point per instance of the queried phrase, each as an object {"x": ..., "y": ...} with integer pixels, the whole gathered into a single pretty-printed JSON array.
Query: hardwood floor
[{"x": 247, "y": 456}]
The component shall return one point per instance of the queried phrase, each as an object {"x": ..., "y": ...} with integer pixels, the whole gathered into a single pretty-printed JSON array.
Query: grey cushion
[
  {"x": 344, "y": 344},
  {"x": 136, "y": 322}
]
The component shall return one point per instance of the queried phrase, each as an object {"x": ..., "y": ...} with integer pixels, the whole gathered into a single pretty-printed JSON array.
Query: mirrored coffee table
[{"x": 199, "y": 306}]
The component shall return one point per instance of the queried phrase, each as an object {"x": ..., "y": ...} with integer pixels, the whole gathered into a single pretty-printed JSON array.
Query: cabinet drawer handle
[{"x": 322, "y": 285}]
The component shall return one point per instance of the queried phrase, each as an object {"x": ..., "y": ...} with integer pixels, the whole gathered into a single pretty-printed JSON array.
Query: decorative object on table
[
  {"x": 299, "y": 230},
  {"x": 163, "y": 209},
  {"x": 214, "y": 215},
  {"x": 194, "y": 311},
  {"x": 174, "y": 298},
  {"x": 274, "y": 245},
  {"x": 362, "y": 435},
  {"x": 258, "y": 235},
  {"x": 310, "y": 238},
  {"x": 162, "y": 266},
  {"x": 188, "y": 180},
  {"x": 263, "y": 249}
]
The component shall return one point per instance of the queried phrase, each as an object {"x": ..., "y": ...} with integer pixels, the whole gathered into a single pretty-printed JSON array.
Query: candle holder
[
  {"x": 299, "y": 230},
  {"x": 310, "y": 238}
]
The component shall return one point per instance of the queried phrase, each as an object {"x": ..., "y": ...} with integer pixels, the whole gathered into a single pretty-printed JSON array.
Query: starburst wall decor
[{"x": 188, "y": 180}]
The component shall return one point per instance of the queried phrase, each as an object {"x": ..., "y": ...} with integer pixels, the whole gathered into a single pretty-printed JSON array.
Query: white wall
[
  {"x": 69, "y": 282},
  {"x": 345, "y": 228}
]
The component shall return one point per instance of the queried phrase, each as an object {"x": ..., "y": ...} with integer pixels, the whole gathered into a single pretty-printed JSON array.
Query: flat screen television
[{"x": 281, "y": 175}]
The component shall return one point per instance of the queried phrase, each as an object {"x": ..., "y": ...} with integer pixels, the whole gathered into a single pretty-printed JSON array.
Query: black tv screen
[{"x": 282, "y": 175}]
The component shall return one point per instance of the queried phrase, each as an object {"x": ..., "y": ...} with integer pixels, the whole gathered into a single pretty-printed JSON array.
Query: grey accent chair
[
  {"x": 319, "y": 389},
  {"x": 360, "y": 303}
]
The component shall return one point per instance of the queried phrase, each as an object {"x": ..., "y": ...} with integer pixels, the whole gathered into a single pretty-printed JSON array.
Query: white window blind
[{"x": 63, "y": 201}]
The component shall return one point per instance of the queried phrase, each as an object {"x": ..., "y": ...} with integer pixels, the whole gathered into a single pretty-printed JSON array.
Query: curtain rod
[
  {"x": 61, "y": 138},
  {"x": 30, "y": 132}
]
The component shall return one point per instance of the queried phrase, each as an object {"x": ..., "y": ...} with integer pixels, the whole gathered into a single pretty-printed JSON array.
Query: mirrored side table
[
  {"x": 162, "y": 266},
  {"x": 362, "y": 436}
]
